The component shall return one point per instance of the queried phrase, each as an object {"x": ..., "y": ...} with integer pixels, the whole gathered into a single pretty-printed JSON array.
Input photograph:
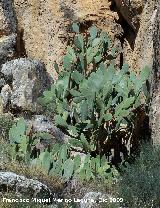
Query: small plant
[{"x": 92, "y": 99}]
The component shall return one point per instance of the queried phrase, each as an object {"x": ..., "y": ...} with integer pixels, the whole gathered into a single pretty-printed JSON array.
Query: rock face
[
  {"x": 29, "y": 79},
  {"x": 7, "y": 48},
  {"x": 43, "y": 27},
  {"x": 142, "y": 53},
  {"x": 8, "y": 24},
  {"x": 23, "y": 185},
  {"x": 41, "y": 123},
  {"x": 155, "y": 83}
]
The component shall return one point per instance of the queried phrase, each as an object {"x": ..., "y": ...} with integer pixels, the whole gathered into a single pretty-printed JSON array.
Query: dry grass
[{"x": 53, "y": 182}]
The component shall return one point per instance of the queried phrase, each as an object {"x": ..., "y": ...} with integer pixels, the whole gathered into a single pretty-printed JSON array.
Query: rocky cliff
[
  {"x": 155, "y": 81},
  {"x": 42, "y": 27}
]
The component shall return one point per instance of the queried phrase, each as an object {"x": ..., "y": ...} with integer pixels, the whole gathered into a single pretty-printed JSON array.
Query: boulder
[
  {"x": 93, "y": 199},
  {"x": 22, "y": 185},
  {"x": 41, "y": 123},
  {"x": 5, "y": 96},
  {"x": 7, "y": 48},
  {"x": 143, "y": 52},
  {"x": 8, "y": 22},
  {"x": 155, "y": 83},
  {"x": 29, "y": 79},
  {"x": 2, "y": 82}
]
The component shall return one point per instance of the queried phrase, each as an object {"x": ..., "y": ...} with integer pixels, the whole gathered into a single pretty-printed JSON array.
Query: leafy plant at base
[
  {"x": 25, "y": 145},
  {"x": 55, "y": 159},
  {"x": 91, "y": 98}
]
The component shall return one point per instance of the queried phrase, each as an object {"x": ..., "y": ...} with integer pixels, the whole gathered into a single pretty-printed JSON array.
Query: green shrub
[
  {"x": 92, "y": 99},
  {"x": 140, "y": 182},
  {"x": 55, "y": 159}
]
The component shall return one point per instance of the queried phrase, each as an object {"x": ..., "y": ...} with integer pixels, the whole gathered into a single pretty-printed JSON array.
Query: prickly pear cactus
[{"x": 91, "y": 98}]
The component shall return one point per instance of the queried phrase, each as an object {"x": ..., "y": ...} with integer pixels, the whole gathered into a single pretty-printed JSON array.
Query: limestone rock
[
  {"x": 46, "y": 25},
  {"x": 5, "y": 96},
  {"x": 7, "y": 48},
  {"x": 41, "y": 123},
  {"x": 143, "y": 51},
  {"x": 8, "y": 22},
  {"x": 2, "y": 82},
  {"x": 128, "y": 22},
  {"x": 23, "y": 185},
  {"x": 155, "y": 82},
  {"x": 29, "y": 80},
  {"x": 93, "y": 199}
]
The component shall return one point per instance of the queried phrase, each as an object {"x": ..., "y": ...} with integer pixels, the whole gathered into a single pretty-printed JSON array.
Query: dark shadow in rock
[{"x": 129, "y": 34}]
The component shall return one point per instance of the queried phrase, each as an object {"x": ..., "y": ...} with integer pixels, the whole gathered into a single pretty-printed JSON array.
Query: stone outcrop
[
  {"x": 142, "y": 53},
  {"x": 43, "y": 27},
  {"x": 155, "y": 82},
  {"x": 28, "y": 80},
  {"x": 7, "y": 48},
  {"x": 46, "y": 25},
  {"x": 41, "y": 123},
  {"x": 8, "y": 24},
  {"x": 22, "y": 185}
]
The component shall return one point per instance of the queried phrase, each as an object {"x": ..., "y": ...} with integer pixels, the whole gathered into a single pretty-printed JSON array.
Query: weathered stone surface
[
  {"x": 155, "y": 82},
  {"x": 41, "y": 123},
  {"x": 52, "y": 19},
  {"x": 2, "y": 82},
  {"x": 5, "y": 96},
  {"x": 29, "y": 80},
  {"x": 93, "y": 199},
  {"x": 23, "y": 185},
  {"x": 7, "y": 48},
  {"x": 8, "y": 22},
  {"x": 142, "y": 52},
  {"x": 48, "y": 39}
]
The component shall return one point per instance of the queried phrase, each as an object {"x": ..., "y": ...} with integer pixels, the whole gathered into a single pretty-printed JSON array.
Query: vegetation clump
[
  {"x": 139, "y": 184},
  {"x": 91, "y": 101}
]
